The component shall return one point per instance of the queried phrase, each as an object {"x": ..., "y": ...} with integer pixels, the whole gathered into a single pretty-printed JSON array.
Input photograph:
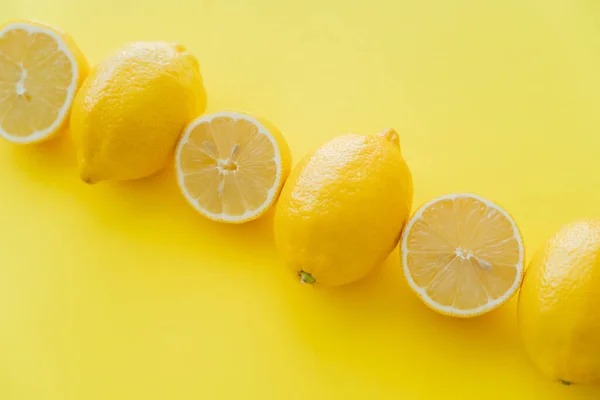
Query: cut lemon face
[
  {"x": 463, "y": 255},
  {"x": 40, "y": 71},
  {"x": 231, "y": 166}
]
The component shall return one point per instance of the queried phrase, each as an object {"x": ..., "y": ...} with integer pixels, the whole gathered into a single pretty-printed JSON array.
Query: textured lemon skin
[
  {"x": 559, "y": 305},
  {"x": 132, "y": 108},
  {"x": 342, "y": 209},
  {"x": 83, "y": 68}
]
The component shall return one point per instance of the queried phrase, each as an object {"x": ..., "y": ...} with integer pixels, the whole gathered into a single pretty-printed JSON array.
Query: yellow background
[{"x": 120, "y": 291}]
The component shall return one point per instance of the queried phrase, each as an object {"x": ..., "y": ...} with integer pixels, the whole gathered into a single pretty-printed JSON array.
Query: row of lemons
[{"x": 339, "y": 213}]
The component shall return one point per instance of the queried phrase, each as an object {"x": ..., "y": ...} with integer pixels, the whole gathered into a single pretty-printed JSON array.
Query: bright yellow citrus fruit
[
  {"x": 463, "y": 255},
  {"x": 40, "y": 71},
  {"x": 343, "y": 207},
  {"x": 231, "y": 166},
  {"x": 132, "y": 108},
  {"x": 559, "y": 305}
]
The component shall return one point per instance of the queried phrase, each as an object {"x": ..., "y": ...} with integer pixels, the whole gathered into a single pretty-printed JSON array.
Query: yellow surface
[{"x": 120, "y": 291}]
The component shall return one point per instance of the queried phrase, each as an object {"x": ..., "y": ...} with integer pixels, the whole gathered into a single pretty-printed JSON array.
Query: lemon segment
[
  {"x": 463, "y": 255},
  {"x": 40, "y": 71},
  {"x": 231, "y": 166}
]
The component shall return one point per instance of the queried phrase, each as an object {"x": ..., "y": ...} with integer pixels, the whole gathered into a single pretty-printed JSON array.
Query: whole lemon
[
  {"x": 342, "y": 209},
  {"x": 129, "y": 113},
  {"x": 559, "y": 305}
]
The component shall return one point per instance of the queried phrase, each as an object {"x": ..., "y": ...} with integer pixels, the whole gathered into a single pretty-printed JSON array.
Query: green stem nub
[
  {"x": 566, "y": 383},
  {"x": 305, "y": 277}
]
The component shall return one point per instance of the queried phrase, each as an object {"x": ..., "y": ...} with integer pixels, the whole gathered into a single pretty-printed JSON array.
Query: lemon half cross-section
[
  {"x": 40, "y": 71},
  {"x": 231, "y": 166},
  {"x": 463, "y": 255}
]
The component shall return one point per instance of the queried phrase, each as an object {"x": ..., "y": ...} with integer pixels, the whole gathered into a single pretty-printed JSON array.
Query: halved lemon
[
  {"x": 231, "y": 166},
  {"x": 463, "y": 255},
  {"x": 40, "y": 71}
]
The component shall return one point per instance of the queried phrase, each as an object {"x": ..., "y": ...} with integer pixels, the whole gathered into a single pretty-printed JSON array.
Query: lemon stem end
[
  {"x": 391, "y": 136},
  {"x": 566, "y": 383},
  {"x": 305, "y": 277},
  {"x": 88, "y": 179}
]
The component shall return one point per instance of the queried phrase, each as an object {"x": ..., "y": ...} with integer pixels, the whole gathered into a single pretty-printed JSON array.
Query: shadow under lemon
[
  {"x": 376, "y": 328},
  {"x": 46, "y": 161},
  {"x": 379, "y": 328},
  {"x": 154, "y": 211},
  {"x": 149, "y": 212}
]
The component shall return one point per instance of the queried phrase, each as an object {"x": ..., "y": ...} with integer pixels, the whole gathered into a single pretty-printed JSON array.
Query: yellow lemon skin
[
  {"x": 128, "y": 115},
  {"x": 559, "y": 305},
  {"x": 342, "y": 209}
]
